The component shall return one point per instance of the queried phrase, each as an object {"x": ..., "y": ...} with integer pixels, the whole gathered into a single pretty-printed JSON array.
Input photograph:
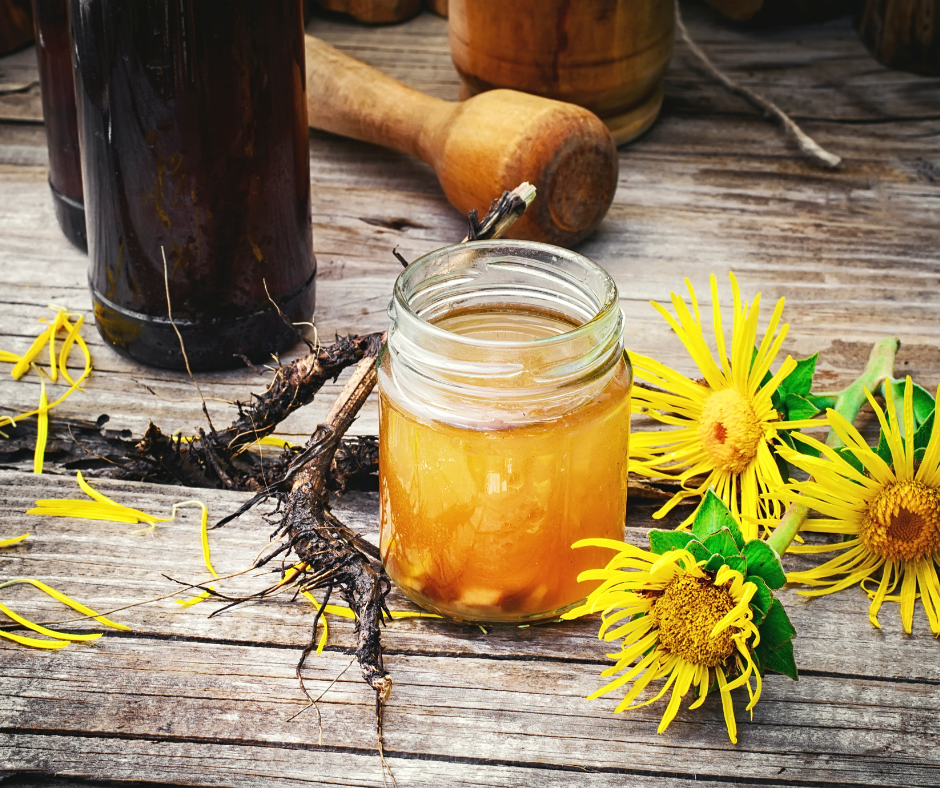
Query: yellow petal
[
  {"x": 42, "y": 427},
  {"x": 65, "y": 600},
  {"x": 33, "y": 642},
  {"x": 42, "y": 630},
  {"x": 21, "y": 366}
]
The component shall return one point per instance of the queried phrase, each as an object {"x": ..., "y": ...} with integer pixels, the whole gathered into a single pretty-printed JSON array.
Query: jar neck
[{"x": 461, "y": 378}]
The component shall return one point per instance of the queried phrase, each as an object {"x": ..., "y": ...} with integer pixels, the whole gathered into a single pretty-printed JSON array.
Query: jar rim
[{"x": 611, "y": 299}]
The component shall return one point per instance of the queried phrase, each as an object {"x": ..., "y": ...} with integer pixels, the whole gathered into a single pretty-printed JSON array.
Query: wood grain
[
  {"x": 460, "y": 696},
  {"x": 188, "y": 700}
]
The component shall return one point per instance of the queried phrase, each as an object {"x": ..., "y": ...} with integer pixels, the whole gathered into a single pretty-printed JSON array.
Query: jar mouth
[
  {"x": 465, "y": 378},
  {"x": 581, "y": 290}
]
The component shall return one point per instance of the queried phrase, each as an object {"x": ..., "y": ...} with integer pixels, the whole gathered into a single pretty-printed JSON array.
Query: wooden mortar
[
  {"x": 374, "y": 12},
  {"x": 16, "y": 25},
  {"x": 609, "y": 56},
  {"x": 903, "y": 34}
]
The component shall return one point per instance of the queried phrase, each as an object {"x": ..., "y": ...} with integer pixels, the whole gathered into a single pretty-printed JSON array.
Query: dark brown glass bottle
[
  {"x": 193, "y": 121},
  {"x": 51, "y": 20}
]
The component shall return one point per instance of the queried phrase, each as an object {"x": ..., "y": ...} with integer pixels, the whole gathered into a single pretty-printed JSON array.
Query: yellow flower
[
  {"x": 678, "y": 622},
  {"x": 726, "y": 422},
  {"x": 889, "y": 514}
]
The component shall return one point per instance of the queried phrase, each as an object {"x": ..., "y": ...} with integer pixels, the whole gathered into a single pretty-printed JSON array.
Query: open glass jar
[{"x": 504, "y": 429}]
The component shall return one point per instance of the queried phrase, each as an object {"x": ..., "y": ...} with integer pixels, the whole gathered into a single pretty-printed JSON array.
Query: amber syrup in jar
[{"x": 503, "y": 439}]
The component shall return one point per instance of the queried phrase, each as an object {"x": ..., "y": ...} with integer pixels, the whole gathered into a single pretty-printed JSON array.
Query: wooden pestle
[{"x": 479, "y": 147}]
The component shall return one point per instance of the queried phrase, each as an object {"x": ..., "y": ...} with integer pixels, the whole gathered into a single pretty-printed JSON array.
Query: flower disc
[
  {"x": 686, "y": 614},
  {"x": 730, "y": 430},
  {"x": 903, "y": 522}
]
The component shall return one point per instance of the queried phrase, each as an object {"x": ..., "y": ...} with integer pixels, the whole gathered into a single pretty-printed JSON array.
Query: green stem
[
  {"x": 848, "y": 403},
  {"x": 880, "y": 366}
]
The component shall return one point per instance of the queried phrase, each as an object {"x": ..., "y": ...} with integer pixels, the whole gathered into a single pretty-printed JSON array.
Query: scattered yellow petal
[
  {"x": 14, "y": 540},
  {"x": 42, "y": 426},
  {"x": 23, "y": 362},
  {"x": 326, "y": 627},
  {"x": 8, "y": 357},
  {"x": 204, "y": 530},
  {"x": 195, "y": 600},
  {"x": 412, "y": 614},
  {"x": 22, "y": 365},
  {"x": 73, "y": 330},
  {"x": 53, "y": 329},
  {"x": 33, "y": 642},
  {"x": 102, "y": 508},
  {"x": 270, "y": 440},
  {"x": 42, "y": 630},
  {"x": 65, "y": 600}
]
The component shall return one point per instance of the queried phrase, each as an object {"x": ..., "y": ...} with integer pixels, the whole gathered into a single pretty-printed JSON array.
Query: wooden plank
[
  {"x": 111, "y": 566},
  {"x": 196, "y": 763},
  {"x": 511, "y": 713},
  {"x": 190, "y": 700},
  {"x": 833, "y": 264}
]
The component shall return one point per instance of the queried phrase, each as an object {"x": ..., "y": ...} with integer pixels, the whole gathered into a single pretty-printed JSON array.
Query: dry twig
[{"x": 806, "y": 143}]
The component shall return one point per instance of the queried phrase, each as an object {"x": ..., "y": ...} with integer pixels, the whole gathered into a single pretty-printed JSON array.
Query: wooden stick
[{"x": 806, "y": 143}]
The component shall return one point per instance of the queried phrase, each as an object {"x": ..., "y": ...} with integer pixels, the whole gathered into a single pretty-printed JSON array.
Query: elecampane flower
[
  {"x": 725, "y": 424},
  {"x": 888, "y": 512},
  {"x": 677, "y": 622}
]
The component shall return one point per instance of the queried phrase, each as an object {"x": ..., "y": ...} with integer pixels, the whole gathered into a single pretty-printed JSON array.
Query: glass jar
[
  {"x": 193, "y": 123},
  {"x": 504, "y": 420},
  {"x": 53, "y": 51}
]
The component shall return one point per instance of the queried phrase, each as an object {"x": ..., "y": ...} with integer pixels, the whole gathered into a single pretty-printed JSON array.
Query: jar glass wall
[{"x": 504, "y": 429}]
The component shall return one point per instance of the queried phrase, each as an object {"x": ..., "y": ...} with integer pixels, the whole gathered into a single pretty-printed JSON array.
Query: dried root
[{"x": 218, "y": 459}]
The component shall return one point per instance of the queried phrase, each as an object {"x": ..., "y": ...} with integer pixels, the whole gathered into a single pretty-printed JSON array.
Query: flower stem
[
  {"x": 788, "y": 527},
  {"x": 880, "y": 366},
  {"x": 848, "y": 403}
]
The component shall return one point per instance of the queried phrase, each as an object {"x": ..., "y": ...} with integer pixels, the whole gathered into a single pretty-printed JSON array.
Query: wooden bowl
[
  {"x": 903, "y": 34},
  {"x": 16, "y": 25},
  {"x": 609, "y": 56}
]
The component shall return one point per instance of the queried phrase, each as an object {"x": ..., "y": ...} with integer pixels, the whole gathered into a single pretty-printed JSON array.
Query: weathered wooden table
[{"x": 182, "y": 699}]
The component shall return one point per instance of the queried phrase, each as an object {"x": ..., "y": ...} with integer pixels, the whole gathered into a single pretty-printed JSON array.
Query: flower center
[
  {"x": 903, "y": 522},
  {"x": 686, "y": 613},
  {"x": 730, "y": 431}
]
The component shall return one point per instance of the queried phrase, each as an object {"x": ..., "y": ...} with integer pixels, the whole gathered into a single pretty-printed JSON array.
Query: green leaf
[
  {"x": 805, "y": 448},
  {"x": 781, "y": 660},
  {"x": 712, "y": 516},
  {"x": 698, "y": 550},
  {"x": 776, "y": 629},
  {"x": 762, "y": 600},
  {"x": 851, "y": 459},
  {"x": 662, "y": 542},
  {"x": 714, "y": 563},
  {"x": 764, "y": 562},
  {"x": 798, "y": 407},
  {"x": 821, "y": 401},
  {"x": 800, "y": 380},
  {"x": 883, "y": 450},
  {"x": 922, "y": 436},
  {"x": 717, "y": 560},
  {"x": 722, "y": 543},
  {"x": 923, "y": 403}
]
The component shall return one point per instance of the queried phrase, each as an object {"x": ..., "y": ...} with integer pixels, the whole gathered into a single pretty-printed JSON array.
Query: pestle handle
[
  {"x": 349, "y": 98},
  {"x": 478, "y": 148}
]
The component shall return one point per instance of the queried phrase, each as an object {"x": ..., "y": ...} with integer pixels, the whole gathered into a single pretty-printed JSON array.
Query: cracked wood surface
[
  {"x": 187, "y": 700},
  {"x": 473, "y": 705}
]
